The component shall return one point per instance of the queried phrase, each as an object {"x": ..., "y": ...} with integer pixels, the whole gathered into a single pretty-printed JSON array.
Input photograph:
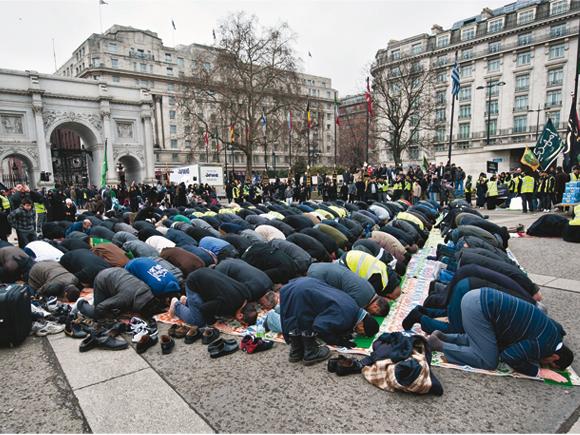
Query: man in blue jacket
[
  {"x": 501, "y": 327},
  {"x": 311, "y": 308}
]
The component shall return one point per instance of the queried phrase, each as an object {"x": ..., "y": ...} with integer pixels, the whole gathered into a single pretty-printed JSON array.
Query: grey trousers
[{"x": 478, "y": 346}]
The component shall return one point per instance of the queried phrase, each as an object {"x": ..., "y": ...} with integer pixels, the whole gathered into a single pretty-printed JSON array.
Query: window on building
[
  {"x": 493, "y": 65},
  {"x": 440, "y": 134},
  {"x": 112, "y": 46},
  {"x": 525, "y": 39},
  {"x": 464, "y": 93},
  {"x": 555, "y": 77},
  {"x": 493, "y": 107},
  {"x": 558, "y": 30},
  {"x": 494, "y": 26},
  {"x": 442, "y": 41},
  {"x": 494, "y": 47},
  {"x": 167, "y": 57},
  {"x": 416, "y": 48},
  {"x": 440, "y": 97},
  {"x": 466, "y": 71},
  {"x": 175, "y": 157},
  {"x": 441, "y": 77},
  {"x": 440, "y": 115},
  {"x": 116, "y": 79},
  {"x": 170, "y": 87},
  {"x": 395, "y": 54},
  {"x": 468, "y": 33},
  {"x": 96, "y": 77},
  {"x": 173, "y": 143},
  {"x": 169, "y": 72},
  {"x": 555, "y": 117},
  {"x": 465, "y": 111},
  {"x": 554, "y": 98},
  {"x": 143, "y": 67},
  {"x": 559, "y": 6},
  {"x": 172, "y": 101},
  {"x": 114, "y": 63},
  {"x": 172, "y": 114},
  {"x": 95, "y": 62},
  {"x": 524, "y": 58},
  {"x": 173, "y": 129},
  {"x": 521, "y": 103},
  {"x": 494, "y": 90},
  {"x": 441, "y": 60},
  {"x": 520, "y": 123},
  {"x": 467, "y": 53},
  {"x": 492, "y": 127},
  {"x": 464, "y": 130},
  {"x": 527, "y": 16},
  {"x": 522, "y": 82},
  {"x": 556, "y": 51},
  {"x": 180, "y": 62},
  {"x": 188, "y": 144}
]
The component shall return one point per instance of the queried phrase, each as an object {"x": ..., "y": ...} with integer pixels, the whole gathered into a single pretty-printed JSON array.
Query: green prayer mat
[{"x": 567, "y": 384}]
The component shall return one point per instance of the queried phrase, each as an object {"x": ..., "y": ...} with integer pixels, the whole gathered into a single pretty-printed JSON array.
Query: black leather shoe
[
  {"x": 167, "y": 344},
  {"x": 332, "y": 363},
  {"x": 221, "y": 347},
  {"x": 88, "y": 343},
  {"x": 193, "y": 334},
  {"x": 348, "y": 366},
  {"x": 105, "y": 341},
  {"x": 209, "y": 335},
  {"x": 146, "y": 342}
]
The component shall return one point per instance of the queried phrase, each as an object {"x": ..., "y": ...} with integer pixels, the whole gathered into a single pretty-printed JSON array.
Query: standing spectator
[
  {"x": 416, "y": 191},
  {"x": 23, "y": 220},
  {"x": 468, "y": 189},
  {"x": 561, "y": 179},
  {"x": 70, "y": 210}
]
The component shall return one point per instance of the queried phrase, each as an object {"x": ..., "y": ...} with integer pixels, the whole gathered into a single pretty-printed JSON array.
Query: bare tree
[
  {"x": 250, "y": 72},
  {"x": 404, "y": 105}
]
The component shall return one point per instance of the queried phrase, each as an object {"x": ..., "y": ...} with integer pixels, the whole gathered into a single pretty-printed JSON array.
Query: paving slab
[
  {"x": 565, "y": 284},
  {"x": 97, "y": 365},
  {"x": 34, "y": 394},
  {"x": 139, "y": 402},
  {"x": 541, "y": 279}
]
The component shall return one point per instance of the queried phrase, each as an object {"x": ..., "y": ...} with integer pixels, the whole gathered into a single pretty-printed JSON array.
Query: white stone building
[
  {"x": 528, "y": 47},
  {"x": 33, "y": 106},
  {"x": 133, "y": 57}
]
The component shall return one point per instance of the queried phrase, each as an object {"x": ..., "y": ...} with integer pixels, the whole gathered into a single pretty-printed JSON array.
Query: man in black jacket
[
  {"x": 211, "y": 293},
  {"x": 83, "y": 264},
  {"x": 259, "y": 284}
]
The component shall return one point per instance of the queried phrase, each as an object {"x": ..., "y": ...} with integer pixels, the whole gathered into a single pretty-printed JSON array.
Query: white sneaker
[
  {"x": 52, "y": 304},
  {"x": 38, "y": 329},
  {"x": 139, "y": 335},
  {"x": 54, "y": 328},
  {"x": 39, "y": 311}
]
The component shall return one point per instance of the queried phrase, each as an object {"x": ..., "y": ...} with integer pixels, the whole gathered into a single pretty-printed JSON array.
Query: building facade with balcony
[
  {"x": 517, "y": 69},
  {"x": 134, "y": 57},
  {"x": 352, "y": 140}
]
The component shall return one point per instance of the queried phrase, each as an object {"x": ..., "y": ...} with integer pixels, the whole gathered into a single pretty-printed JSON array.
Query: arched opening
[
  {"x": 71, "y": 146},
  {"x": 129, "y": 169},
  {"x": 16, "y": 169}
]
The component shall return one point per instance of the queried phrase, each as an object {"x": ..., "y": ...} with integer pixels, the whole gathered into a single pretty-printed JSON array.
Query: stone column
[
  {"x": 149, "y": 154},
  {"x": 44, "y": 157},
  {"x": 108, "y": 138}
]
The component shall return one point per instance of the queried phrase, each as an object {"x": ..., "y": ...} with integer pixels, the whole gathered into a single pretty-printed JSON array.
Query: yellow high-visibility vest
[
  {"x": 409, "y": 217},
  {"x": 574, "y": 177},
  {"x": 492, "y": 188},
  {"x": 528, "y": 184},
  {"x": 5, "y": 203},
  {"x": 39, "y": 208},
  {"x": 365, "y": 265},
  {"x": 236, "y": 192}
]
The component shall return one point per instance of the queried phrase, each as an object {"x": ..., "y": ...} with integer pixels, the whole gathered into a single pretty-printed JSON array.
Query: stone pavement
[{"x": 51, "y": 387}]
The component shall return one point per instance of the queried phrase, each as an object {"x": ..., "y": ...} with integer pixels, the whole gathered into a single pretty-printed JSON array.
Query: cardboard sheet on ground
[{"x": 414, "y": 290}]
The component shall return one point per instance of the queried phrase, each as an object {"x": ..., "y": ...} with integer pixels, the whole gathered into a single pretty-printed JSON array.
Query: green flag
[
  {"x": 530, "y": 159},
  {"x": 548, "y": 146},
  {"x": 425, "y": 163},
  {"x": 104, "y": 168}
]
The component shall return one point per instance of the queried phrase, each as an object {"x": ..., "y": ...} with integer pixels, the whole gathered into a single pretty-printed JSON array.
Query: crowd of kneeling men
[{"x": 309, "y": 271}]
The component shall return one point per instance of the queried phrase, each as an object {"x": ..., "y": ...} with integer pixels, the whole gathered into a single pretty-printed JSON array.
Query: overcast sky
[{"x": 342, "y": 35}]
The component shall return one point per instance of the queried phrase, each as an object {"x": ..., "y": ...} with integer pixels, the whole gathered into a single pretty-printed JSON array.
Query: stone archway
[
  {"x": 130, "y": 169},
  {"x": 80, "y": 157},
  {"x": 16, "y": 168}
]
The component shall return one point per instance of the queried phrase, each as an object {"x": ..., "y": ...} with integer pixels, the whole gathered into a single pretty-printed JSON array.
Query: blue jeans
[
  {"x": 434, "y": 196},
  {"x": 191, "y": 313},
  {"x": 273, "y": 320}
]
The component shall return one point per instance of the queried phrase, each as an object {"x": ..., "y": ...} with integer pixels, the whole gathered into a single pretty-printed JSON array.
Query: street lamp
[
  {"x": 489, "y": 87},
  {"x": 538, "y": 110}
]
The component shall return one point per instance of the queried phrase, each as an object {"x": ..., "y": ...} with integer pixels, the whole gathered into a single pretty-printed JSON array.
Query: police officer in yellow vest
[
  {"x": 407, "y": 188},
  {"x": 5, "y": 228},
  {"x": 40, "y": 209},
  {"x": 526, "y": 189},
  {"x": 575, "y": 174},
  {"x": 512, "y": 188},
  {"x": 492, "y": 193},
  {"x": 385, "y": 281},
  {"x": 397, "y": 188},
  {"x": 545, "y": 190},
  {"x": 236, "y": 192}
]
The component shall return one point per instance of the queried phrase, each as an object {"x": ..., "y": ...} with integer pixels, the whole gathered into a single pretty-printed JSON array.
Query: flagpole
[
  {"x": 367, "y": 149},
  {"x": 335, "y": 152},
  {"x": 289, "y": 143},
  {"x": 101, "y": 15}
]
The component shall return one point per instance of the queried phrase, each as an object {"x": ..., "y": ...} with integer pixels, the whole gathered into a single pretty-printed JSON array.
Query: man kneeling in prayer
[
  {"x": 310, "y": 308},
  {"x": 501, "y": 327}
]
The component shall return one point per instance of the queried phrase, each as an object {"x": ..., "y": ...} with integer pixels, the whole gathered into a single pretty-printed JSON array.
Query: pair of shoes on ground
[
  {"x": 42, "y": 328},
  {"x": 209, "y": 335},
  {"x": 344, "y": 366},
  {"x": 190, "y": 334},
  {"x": 139, "y": 328},
  {"x": 251, "y": 344},
  {"x": 222, "y": 347},
  {"x": 102, "y": 340},
  {"x": 148, "y": 341}
]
